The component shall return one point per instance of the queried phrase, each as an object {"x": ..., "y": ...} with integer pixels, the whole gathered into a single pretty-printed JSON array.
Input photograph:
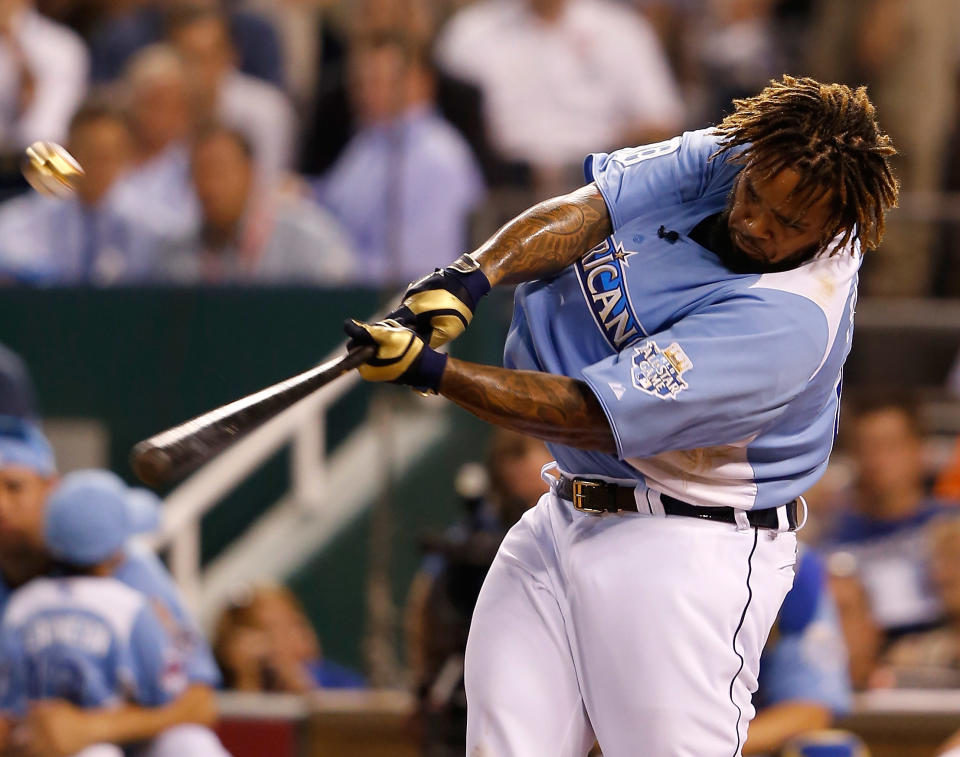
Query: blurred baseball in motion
[{"x": 50, "y": 169}]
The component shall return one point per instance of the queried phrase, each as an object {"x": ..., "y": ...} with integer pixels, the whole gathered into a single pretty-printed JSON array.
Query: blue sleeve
[
  {"x": 155, "y": 666},
  {"x": 143, "y": 571},
  {"x": 13, "y": 675},
  {"x": 718, "y": 376},
  {"x": 809, "y": 666},
  {"x": 638, "y": 179}
]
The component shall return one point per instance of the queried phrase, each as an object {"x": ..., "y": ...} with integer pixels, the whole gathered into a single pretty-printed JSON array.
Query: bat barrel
[{"x": 180, "y": 450}]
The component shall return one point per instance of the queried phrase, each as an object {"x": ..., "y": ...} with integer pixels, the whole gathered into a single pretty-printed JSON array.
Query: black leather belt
[{"x": 598, "y": 497}]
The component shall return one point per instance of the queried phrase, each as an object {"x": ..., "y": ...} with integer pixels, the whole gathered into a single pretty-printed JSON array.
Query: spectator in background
[
  {"x": 265, "y": 643},
  {"x": 27, "y": 477},
  {"x": 87, "y": 639},
  {"x": 250, "y": 233},
  {"x": 562, "y": 78},
  {"x": 882, "y": 521},
  {"x": 737, "y": 51},
  {"x": 444, "y": 591},
  {"x": 90, "y": 237},
  {"x": 804, "y": 679},
  {"x": 862, "y": 634},
  {"x": 906, "y": 51},
  {"x": 43, "y": 76},
  {"x": 157, "y": 90},
  {"x": 134, "y": 24},
  {"x": 931, "y": 659},
  {"x": 222, "y": 93},
  {"x": 333, "y": 120},
  {"x": 406, "y": 183}
]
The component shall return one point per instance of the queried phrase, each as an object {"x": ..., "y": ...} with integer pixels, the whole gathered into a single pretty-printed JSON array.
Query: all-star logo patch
[
  {"x": 601, "y": 274},
  {"x": 659, "y": 372}
]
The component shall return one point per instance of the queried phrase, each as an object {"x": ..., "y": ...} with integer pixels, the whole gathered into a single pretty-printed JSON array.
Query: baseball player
[
  {"x": 27, "y": 476},
  {"x": 678, "y": 339},
  {"x": 86, "y": 637}
]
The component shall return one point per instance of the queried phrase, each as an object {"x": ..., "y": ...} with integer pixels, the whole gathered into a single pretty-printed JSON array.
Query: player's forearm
[
  {"x": 553, "y": 408},
  {"x": 546, "y": 238},
  {"x": 774, "y": 726},
  {"x": 132, "y": 723}
]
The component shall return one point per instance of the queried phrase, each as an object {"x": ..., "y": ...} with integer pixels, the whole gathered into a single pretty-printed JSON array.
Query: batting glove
[
  {"x": 401, "y": 356},
  {"x": 440, "y": 306}
]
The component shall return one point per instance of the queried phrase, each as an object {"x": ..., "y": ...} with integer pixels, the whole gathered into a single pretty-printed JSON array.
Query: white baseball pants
[{"x": 642, "y": 631}]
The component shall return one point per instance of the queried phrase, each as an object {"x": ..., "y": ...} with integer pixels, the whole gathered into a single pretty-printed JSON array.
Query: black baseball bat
[{"x": 172, "y": 454}]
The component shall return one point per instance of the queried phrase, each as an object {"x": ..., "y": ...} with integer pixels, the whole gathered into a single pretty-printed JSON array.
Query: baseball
[{"x": 50, "y": 169}]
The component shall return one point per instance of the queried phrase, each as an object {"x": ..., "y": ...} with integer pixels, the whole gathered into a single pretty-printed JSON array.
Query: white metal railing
[{"x": 302, "y": 426}]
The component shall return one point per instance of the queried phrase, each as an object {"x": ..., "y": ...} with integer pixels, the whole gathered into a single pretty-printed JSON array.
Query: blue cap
[
  {"x": 143, "y": 510},
  {"x": 88, "y": 518},
  {"x": 23, "y": 445}
]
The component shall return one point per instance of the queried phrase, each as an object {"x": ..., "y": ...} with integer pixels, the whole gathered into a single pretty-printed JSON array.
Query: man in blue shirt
[
  {"x": 883, "y": 520},
  {"x": 678, "y": 342},
  {"x": 93, "y": 237},
  {"x": 27, "y": 477}
]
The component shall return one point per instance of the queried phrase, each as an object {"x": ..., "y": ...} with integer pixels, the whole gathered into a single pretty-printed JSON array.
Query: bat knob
[{"x": 151, "y": 464}]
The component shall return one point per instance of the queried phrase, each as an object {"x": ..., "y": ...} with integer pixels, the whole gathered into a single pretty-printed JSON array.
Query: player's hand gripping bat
[{"x": 174, "y": 453}]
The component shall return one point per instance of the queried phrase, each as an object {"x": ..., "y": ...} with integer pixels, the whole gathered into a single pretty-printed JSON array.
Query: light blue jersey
[
  {"x": 720, "y": 388},
  {"x": 142, "y": 570},
  {"x": 91, "y": 641}
]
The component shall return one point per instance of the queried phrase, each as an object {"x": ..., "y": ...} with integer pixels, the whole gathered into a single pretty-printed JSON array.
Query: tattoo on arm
[
  {"x": 546, "y": 238},
  {"x": 553, "y": 408}
]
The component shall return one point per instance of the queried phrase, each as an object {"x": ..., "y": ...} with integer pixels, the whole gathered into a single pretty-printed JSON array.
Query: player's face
[
  {"x": 22, "y": 496},
  {"x": 771, "y": 228}
]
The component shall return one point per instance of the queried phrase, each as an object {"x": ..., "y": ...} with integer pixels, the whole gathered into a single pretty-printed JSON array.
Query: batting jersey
[
  {"x": 142, "y": 571},
  {"x": 91, "y": 641},
  {"x": 720, "y": 388}
]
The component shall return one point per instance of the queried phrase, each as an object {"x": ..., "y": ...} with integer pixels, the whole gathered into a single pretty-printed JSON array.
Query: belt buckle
[{"x": 579, "y": 484}]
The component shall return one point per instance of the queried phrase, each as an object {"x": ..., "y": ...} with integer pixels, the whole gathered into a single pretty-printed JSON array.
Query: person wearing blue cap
[
  {"x": 85, "y": 637},
  {"x": 27, "y": 475}
]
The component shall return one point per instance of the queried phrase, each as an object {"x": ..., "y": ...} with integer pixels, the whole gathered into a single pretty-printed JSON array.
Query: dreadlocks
[{"x": 829, "y": 134}]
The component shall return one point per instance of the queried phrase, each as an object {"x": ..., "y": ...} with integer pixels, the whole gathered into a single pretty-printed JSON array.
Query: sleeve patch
[{"x": 657, "y": 372}]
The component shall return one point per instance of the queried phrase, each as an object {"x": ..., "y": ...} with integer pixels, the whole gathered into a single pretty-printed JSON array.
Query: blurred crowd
[
  {"x": 98, "y": 649},
  {"x": 363, "y": 142}
]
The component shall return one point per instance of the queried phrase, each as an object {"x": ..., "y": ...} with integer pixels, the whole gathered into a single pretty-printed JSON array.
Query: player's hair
[{"x": 830, "y": 135}]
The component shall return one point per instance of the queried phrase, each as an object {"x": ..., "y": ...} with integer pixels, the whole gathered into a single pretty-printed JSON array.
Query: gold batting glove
[
  {"x": 401, "y": 356},
  {"x": 440, "y": 306}
]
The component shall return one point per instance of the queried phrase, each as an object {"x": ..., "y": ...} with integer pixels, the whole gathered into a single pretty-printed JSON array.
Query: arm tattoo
[
  {"x": 546, "y": 238},
  {"x": 553, "y": 408}
]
